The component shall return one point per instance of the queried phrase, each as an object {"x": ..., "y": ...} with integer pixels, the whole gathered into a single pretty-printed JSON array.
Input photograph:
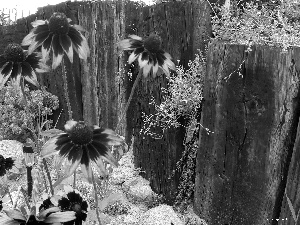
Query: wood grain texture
[
  {"x": 182, "y": 35},
  {"x": 242, "y": 167}
]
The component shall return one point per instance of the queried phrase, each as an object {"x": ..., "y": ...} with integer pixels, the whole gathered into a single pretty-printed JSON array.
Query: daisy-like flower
[
  {"x": 17, "y": 62},
  {"x": 149, "y": 54},
  {"x": 49, "y": 216},
  {"x": 5, "y": 165},
  {"x": 57, "y": 35},
  {"x": 72, "y": 201},
  {"x": 83, "y": 144}
]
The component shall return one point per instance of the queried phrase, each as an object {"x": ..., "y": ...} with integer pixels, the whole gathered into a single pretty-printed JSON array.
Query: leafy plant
[{"x": 16, "y": 122}]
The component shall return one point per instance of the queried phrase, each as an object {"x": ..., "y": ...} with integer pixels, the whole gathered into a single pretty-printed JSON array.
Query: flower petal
[
  {"x": 66, "y": 43},
  {"x": 50, "y": 147},
  {"x": 87, "y": 172},
  {"x": 107, "y": 136},
  {"x": 70, "y": 124},
  {"x": 75, "y": 163},
  {"x": 38, "y": 41},
  {"x": 80, "y": 43},
  {"x": 58, "y": 51},
  {"x": 15, "y": 214},
  {"x": 133, "y": 36},
  {"x": 78, "y": 27},
  {"x": 38, "y": 22},
  {"x": 60, "y": 217},
  {"x": 155, "y": 69},
  {"x": 103, "y": 152},
  {"x": 143, "y": 59},
  {"x": 46, "y": 47},
  {"x": 27, "y": 40},
  {"x": 101, "y": 168},
  {"x": 8, "y": 221},
  {"x": 168, "y": 61},
  {"x": 135, "y": 54},
  {"x": 146, "y": 69},
  {"x": 32, "y": 79},
  {"x": 4, "y": 77}
]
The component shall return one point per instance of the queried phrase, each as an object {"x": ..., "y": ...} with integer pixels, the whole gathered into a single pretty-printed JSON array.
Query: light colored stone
[{"x": 160, "y": 215}]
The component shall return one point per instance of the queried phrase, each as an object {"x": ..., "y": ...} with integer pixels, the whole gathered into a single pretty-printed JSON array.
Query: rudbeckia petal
[
  {"x": 44, "y": 213},
  {"x": 3, "y": 61},
  {"x": 107, "y": 136},
  {"x": 14, "y": 214},
  {"x": 78, "y": 27},
  {"x": 146, "y": 69},
  {"x": 87, "y": 172},
  {"x": 49, "y": 148},
  {"x": 70, "y": 124},
  {"x": 38, "y": 41},
  {"x": 143, "y": 59},
  {"x": 8, "y": 221},
  {"x": 60, "y": 217},
  {"x": 104, "y": 152},
  {"x": 133, "y": 36},
  {"x": 75, "y": 163},
  {"x": 46, "y": 47},
  {"x": 101, "y": 168},
  {"x": 80, "y": 43},
  {"x": 38, "y": 22},
  {"x": 4, "y": 78},
  {"x": 7, "y": 69},
  {"x": 66, "y": 43},
  {"x": 58, "y": 52},
  {"x": 27, "y": 40},
  {"x": 32, "y": 79},
  {"x": 135, "y": 54},
  {"x": 155, "y": 69},
  {"x": 125, "y": 44},
  {"x": 168, "y": 61}
]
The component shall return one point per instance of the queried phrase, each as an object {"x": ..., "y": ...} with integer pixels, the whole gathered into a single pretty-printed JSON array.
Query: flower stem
[
  {"x": 66, "y": 91},
  {"x": 96, "y": 198},
  {"x": 48, "y": 175},
  {"x": 29, "y": 181},
  {"x": 129, "y": 99}
]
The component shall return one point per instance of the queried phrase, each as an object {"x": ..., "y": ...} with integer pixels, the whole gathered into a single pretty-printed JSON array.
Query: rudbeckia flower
[
  {"x": 5, "y": 165},
  {"x": 149, "y": 54},
  {"x": 49, "y": 216},
  {"x": 16, "y": 63},
  {"x": 72, "y": 201},
  {"x": 57, "y": 35},
  {"x": 83, "y": 144}
]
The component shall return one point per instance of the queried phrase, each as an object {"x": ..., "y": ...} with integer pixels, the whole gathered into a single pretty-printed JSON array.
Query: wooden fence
[
  {"x": 99, "y": 89},
  {"x": 252, "y": 106}
]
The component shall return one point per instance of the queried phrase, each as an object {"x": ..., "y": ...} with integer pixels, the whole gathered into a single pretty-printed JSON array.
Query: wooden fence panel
[
  {"x": 98, "y": 90},
  {"x": 242, "y": 168},
  {"x": 177, "y": 23}
]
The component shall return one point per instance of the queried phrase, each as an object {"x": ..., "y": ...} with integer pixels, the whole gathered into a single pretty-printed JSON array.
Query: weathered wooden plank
[
  {"x": 242, "y": 167},
  {"x": 175, "y": 23}
]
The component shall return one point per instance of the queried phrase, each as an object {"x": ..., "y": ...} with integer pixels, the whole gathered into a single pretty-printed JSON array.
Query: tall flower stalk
[
  {"x": 59, "y": 36},
  {"x": 151, "y": 60}
]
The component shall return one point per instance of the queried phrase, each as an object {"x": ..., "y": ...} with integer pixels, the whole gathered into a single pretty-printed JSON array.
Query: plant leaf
[{"x": 291, "y": 208}]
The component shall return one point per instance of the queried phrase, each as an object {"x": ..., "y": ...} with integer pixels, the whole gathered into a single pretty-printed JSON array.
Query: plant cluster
[
  {"x": 253, "y": 23},
  {"x": 18, "y": 122},
  {"x": 182, "y": 98}
]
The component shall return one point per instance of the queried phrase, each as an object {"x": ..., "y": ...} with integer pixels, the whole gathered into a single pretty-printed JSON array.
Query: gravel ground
[{"x": 10, "y": 148}]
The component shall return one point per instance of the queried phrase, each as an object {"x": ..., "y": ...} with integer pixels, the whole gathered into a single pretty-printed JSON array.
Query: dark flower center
[
  {"x": 76, "y": 208},
  {"x": 58, "y": 23},
  {"x": 153, "y": 43},
  {"x": 81, "y": 134},
  {"x": 14, "y": 52}
]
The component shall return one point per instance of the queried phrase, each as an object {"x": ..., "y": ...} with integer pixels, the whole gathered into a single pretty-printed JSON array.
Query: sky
[{"x": 28, "y": 6}]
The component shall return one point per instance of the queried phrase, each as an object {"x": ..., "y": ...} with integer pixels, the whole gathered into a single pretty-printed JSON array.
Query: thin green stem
[
  {"x": 49, "y": 176},
  {"x": 96, "y": 198},
  {"x": 66, "y": 91},
  {"x": 129, "y": 99},
  {"x": 74, "y": 181}
]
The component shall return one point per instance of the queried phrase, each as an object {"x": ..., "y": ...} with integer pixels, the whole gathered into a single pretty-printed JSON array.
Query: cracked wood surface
[{"x": 242, "y": 168}]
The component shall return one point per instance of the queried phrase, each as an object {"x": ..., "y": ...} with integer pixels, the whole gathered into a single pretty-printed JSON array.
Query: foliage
[
  {"x": 273, "y": 25},
  {"x": 16, "y": 122},
  {"x": 182, "y": 97}
]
